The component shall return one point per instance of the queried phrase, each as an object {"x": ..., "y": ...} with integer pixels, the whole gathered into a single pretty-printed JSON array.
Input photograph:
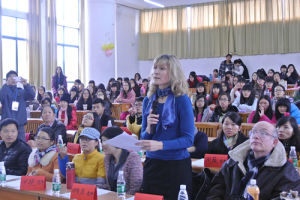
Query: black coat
[
  {"x": 217, "y": 146},
  {"x": 15, "y": 157},
  {"x": 218, "y": 112},
  {"x": 59, "y": 129},
  {"x": 276, "y": 175}
]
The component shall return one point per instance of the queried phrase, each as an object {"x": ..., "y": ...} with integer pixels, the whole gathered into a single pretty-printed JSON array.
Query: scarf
[
  {"x": 230, "y": 142},
  {"x": 63, "y": 116},
  {"x": 113, "y": 171},
  {"x": 168, "y": 113},
  {"x": 38, "y": 155}
]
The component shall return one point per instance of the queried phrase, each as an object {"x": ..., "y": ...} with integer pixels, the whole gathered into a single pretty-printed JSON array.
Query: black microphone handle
[{"x": 154, "y": 111}]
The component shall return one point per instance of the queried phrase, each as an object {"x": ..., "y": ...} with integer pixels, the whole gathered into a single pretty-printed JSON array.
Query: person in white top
[{"x": 246, "y": 101}]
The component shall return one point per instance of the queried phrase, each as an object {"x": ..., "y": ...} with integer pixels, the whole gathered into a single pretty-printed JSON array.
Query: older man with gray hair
[{"x": 263, "y": 158}]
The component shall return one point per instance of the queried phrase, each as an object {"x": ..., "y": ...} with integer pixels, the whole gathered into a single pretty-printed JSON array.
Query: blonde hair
[{"x": 177, "y": 78}]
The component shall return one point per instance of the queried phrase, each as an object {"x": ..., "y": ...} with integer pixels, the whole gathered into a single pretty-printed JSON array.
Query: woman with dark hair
[
  {"x": 107, "y": 104},
  {"x": 225, "y": 87},
  {"x": 288, "y": 133},
  {"x": 247, "y": 101},
  {"x": 200, "y": 89},
  {"x": 74, "y": 95},
  {"x": 114, "y": 92},
  {"x": 193, "y": 80},
  {"x": 284, "y": 108},
  {"x": 117, "y": 159},
  {"x": 41, "y": 93},
  {"x": 127, "y": 95},
  {"x": 230, "y": 137},
  {"x": 67, "y": 114},
  {"x": 292, "y": 74},
  {"x": 136, "y": 88},
  {"x": 138, "y": 78},
  {"x": 60, "y": 92},
  {"x": 88, "y": 120},
  {"x": 85, "y": 101},
  {"x": 43, "y": 160},
  {"x": 223, "y": 107},
  {"x": 269, "y": 85},
  {"x": 271, "y": 73},
  {"x": 145, "y": 87},
  {"x": 202, "y": 112},
  {"x": 92, "y": 87},
  {"x": 58, "y": 80},
  {"x": 279, "y": 81},
  {"x": 110, "y": 82},
  {"x": 214, "y": 95},
  {"x": 253, "y": 79},
  {"x": 263, "y": 111}
]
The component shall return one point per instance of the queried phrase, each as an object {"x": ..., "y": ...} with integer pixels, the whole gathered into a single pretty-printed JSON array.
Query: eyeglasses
[
  {"x": 41, "y": 138},
  {"x": 261, "y": 134},
  {"x": 88, "y": 117},
  {"x": 223, "y": 99}
]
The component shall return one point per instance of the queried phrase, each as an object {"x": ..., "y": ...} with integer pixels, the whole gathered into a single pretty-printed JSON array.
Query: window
[
  {"x": 15, "y": 37},
  {"x": 67, "y": 14}
]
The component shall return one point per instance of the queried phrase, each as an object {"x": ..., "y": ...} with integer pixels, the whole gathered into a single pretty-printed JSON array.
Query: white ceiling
[{"x": 140, "y": 4}]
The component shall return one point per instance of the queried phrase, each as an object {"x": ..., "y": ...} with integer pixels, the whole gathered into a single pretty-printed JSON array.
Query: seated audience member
[
  {"x": 85, "y": 101},
  {"x": 114, "y": 92},
  {"x": 292, "y": 75},
  {"x": 43, "y": 160},
  {"x": 263, "y": 111},
  {"x": 74, "y": 95},
  {"x": 214, "y": 95},
  {"x": 41, "y": 93},
  {"x": 120, "y": 80},
  {"x": 127, "y": 95},
  {"x": 89, "y": 165},
  {"x": 235, "y": 80},
  {"x": 193, "y": 81},
  {"x": 259, "y": 86},
  {"x": 45, "y": 102},
  {"x": 48, "y": 116},
  {"x": 284, "y": 108},
  {"x": 238, "y": 70},
  {"x": 230, "y": 137},
  {"x": 225, "y": 87},
  {"x": 80, "y": 88},
  {"x": 60, "y": 92},
  {"x": 107, "y": 103},
  {"x": 199, "y": 146},
  {"x": 99, "y": 107},
  {"x": 288, "y": 133},
  {"x": 247, "y": 101},
  {"x": 277, "y": 93},
  {"x": 271, "y": 73},
  {"x": 13, "y": 151},
  {"x": 134, "y": 119},
  {"x": 89, "y": 120},
  {"x": 92, "y": 88},
  {"x": 145, "y": 87},
  {"x": 236, "y": 90},
  {"x": 109, "y": 84},
  {"x": 253, "y": 79},
  {"x": 215, "y": 75},
  {"x": 279, "y": 81},
  {"x": 77, "y": 82},
  {"x": 138, "y": 78},
  {"x": 283, "y": 71},
  {"x": 136, "y": 88},
  {"x": 263, "y": 158},
  {"x": 229, "y": 78},
  {"x": 117, "y": 159},
  {"x": 200, "y": 89},
  {"x": 269, "y": 84},
  {"x": 67, "y": 114},
  {"x": 202, "y": 112},
  {"x": 223, "y": 107}
]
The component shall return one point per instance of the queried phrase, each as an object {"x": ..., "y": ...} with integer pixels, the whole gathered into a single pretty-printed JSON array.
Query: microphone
[{"x": 154, "y": 111}]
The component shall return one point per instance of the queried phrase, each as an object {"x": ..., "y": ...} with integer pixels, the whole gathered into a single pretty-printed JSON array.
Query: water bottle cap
[
  {"x": 59, "y": 136},
  {"x": 183, "y": 187},
  {"x": 121, "y": 172},
  {"x": 56, "y": 171},
  {"x": 253, "y": 181},
  {"x": 292, "y": 147}
]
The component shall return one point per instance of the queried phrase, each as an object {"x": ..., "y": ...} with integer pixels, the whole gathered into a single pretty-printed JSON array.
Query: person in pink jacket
[
  {"x": 263, "y": 111},
  {"x": 127, "y": 95}
]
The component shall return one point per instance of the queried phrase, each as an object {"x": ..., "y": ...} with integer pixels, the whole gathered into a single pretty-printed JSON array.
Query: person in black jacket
[
  {"x": 136, "y": 88},
  {"x": 263, "y": 158},
  {"x": 199, "y": 146},
  {"x": 13, "y": 151},
  {"x": 230, "y": 137},
  {"x": 292, "y": 75},
  {"x": 99, "y": 107},
  {"x": 223, "y": 107},
  {"x": 48, "y": 116}
]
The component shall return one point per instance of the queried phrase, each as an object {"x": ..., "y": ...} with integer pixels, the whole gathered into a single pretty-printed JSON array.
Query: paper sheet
[
  {"x": 131, "y": 198},
  {"x": 124, "y": 141},
  {"x": 198, "y": 163},
  {"x": 66, "y": 195},
  {"x": 11, "y": 177},
  {"x": 14, "y": 184}
]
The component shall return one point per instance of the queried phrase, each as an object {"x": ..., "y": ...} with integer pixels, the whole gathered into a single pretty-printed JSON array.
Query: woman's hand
[
  {"x": 62, "y": 151},
  {"x": 150, "y": 145},
  {"x": 33, "y": 173},
  {"x": 191, "y": 149},
  {"x": 151, "y": 119},
  {"x": 262, "y": 111}
]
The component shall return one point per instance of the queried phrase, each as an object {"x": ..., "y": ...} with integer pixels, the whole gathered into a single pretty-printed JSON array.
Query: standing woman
[
  {"x": 167, "y": 144},
  {"x": 58, "y": 80}
]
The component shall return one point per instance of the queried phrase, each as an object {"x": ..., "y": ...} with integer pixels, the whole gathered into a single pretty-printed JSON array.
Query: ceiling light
[{"x": 154, "y": 3}]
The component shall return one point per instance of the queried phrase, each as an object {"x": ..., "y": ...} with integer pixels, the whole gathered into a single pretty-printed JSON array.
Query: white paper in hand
[{"x": 124, "y": 141}]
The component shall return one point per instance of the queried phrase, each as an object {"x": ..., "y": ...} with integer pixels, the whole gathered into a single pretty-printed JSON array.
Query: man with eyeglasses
[{"x": 263, "y": 158}]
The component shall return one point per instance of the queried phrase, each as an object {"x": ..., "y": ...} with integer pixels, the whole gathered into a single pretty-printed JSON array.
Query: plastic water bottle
[
  {"x": 182, "y": 195},
  {"x": 268, "y": 92},
  {"x": 210, "y": 77},
  {"x": 60, "y": 141},
  {"x": 252, "y": 191},
  {"x": 293, "y": 156},
  {"x": 121, "y": 184},
  {"x": 28, "y": 112},
  {"x": 56, "y": 184},
  {"x": 109, "y": 123},
  {"x": 2, "y": 174}
]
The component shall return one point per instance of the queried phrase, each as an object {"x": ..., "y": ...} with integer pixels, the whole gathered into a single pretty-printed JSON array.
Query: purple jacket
[{"x": 55, "y": 84}]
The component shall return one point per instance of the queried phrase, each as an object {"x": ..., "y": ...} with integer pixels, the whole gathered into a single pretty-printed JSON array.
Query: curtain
[
  {"x": 82, "y": 70},
  {"x": 208, "y": 31},
  {"x": 51, "y": 41},
  {"x": 163, "y": 31},
  {"x": 35, "y": 48}
]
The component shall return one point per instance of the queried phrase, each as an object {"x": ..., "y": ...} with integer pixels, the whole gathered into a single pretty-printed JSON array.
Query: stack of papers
[{"x": 124, "y": 141}]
